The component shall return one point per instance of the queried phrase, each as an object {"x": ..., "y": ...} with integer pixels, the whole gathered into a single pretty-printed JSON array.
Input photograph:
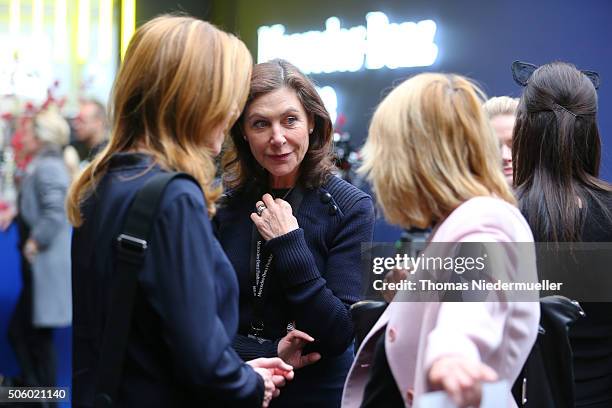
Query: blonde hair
[
  {"x": 51, "y": 128},
  {"x": 72, "y": 161},
  {"x": 430, "y": 148},
  {"x": 180, "y": 79},
  {"x": 500, "y": 105}
]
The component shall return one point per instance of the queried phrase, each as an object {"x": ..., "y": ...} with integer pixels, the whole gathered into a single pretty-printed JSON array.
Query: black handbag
[
  {"x": 547, "y": 378},
  {"x": 364, "y": 314}
]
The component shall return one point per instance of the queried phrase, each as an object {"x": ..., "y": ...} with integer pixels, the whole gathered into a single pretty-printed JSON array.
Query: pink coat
[{"x": 417, "y": 333}]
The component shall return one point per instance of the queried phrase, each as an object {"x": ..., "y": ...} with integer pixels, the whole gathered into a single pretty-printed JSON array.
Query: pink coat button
[
  {"x": 391, "y": 334},
  {"x": 410, "y": 397}
]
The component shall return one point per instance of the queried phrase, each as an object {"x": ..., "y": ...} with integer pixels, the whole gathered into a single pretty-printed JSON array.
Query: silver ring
[{"x": 260, "y": 209}]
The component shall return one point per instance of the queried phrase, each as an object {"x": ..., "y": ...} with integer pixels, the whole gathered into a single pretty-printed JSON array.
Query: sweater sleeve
[
  {"x": 321, "y": 304},
  {"x": 250, "y": 349},
  {"x": 179, "y": 281}
]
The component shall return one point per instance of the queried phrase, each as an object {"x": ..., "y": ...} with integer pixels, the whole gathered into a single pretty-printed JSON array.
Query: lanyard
[{"x": 260, "y": 268}]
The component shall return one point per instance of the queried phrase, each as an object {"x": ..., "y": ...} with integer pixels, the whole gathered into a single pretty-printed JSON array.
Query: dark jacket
[
  {"x": 315, "y": 276},
  {"x": 590, "y": 337},
  {"x": 185, "y": 313}
]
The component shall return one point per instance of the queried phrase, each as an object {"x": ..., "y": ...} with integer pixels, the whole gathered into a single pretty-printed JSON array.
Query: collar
[{"x": 130, "y": 160}]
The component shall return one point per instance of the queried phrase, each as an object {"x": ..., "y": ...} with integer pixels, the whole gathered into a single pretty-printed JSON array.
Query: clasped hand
[
  {"x": 275, "y": 219},
  {"x": 274, "y": 372}
]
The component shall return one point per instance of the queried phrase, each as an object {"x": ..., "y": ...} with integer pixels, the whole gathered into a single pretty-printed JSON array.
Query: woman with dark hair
[
  {"x": 293, "y": 232},
  {"x": 556, "y": 154}
]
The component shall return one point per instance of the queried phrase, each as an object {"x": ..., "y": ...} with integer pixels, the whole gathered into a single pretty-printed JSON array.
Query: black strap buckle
[{"x": 131, "y": 245}]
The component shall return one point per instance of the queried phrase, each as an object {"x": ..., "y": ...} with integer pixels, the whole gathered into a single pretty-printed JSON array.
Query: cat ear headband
[{"x": 522, "y": 71}]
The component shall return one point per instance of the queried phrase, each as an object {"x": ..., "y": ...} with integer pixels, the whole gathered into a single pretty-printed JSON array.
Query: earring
[{"x": 310, "y": 131}]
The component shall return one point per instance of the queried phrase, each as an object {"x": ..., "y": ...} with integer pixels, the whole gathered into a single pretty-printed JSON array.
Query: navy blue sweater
[
  {"x": 185, "y": 314},
  {"x": 315, "y": 276}
]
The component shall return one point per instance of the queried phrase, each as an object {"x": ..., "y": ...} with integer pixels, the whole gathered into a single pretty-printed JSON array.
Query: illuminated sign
[
  {"x": 378, "y": 44},
  {"x": 330, "y": 100}
]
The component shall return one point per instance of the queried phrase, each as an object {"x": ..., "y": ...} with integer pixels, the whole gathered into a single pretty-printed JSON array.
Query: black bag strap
[{"x": 132, "y": 244}]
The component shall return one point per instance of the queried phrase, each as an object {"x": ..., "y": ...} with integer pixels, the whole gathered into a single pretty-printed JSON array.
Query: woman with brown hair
[
  {"x": 556, "y": 154},
  {"x": 293, "y": 232},
  {"x": 181, "y": 85}
]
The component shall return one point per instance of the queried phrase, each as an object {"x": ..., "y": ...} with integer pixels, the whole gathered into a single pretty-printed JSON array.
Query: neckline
[{"x": 281, "y": 193}]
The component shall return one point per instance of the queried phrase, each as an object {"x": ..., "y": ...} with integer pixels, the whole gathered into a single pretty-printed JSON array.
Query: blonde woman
[
  {"x": 501, "y": 111},
  {"x": 434, "y": 161},
  {"x": 183, "y": 82},
  {"x": 44, "y": 302}
]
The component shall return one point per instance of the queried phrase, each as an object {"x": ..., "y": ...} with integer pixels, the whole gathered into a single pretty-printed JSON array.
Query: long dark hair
[
  {"x": 239, "y": 165},
  {"x": 556, "y": 152}
]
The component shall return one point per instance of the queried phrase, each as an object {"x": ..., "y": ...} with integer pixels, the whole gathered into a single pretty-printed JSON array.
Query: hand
[
  {"x": 276, "y": 365},
  {"x": 275, "y": 373},
  {"x": 276, "y": 219},
  {"x": 291, "y": 346},
  {"x": 30, "y": 250},
  {"x": 394, "y": 276},
  {"x": 6, "y": 218},
  {"x": 269, "y": 387},
  {"x": 460, "y": 378}
]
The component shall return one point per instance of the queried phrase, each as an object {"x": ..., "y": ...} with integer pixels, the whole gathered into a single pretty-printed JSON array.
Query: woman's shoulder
[
  {"x": 50, "y": 172},
  {"x": 233, "y": 199},
  {"x": 604, "y": 197},
  {"x": 343, "y": 193},
  {"x": 483, "y": 215},
  {"x": 183, "y": 187},
  {"x": 50, "y": 164},
  {"x": 598, "y": 222}
]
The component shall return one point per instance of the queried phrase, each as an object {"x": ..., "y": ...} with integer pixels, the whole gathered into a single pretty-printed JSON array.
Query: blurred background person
[
  {"x": 181, "y": 85},
  {"x": 556, "y": 155},
  {"x": 19, "y": 160},
  {"x": 501, "y": 111},
  {"x": 289, "y": 221},
  {"x": 90, "y": 128},
  {"x": 24, "y": 155},
  {"x": 434, "y": 161},
  {"x": 45, "y": 299}
]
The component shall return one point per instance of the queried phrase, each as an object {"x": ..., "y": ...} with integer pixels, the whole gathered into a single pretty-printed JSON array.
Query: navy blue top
[
  {"x": 186, "y": 312},
  {"x": 315, "y": 276}
]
